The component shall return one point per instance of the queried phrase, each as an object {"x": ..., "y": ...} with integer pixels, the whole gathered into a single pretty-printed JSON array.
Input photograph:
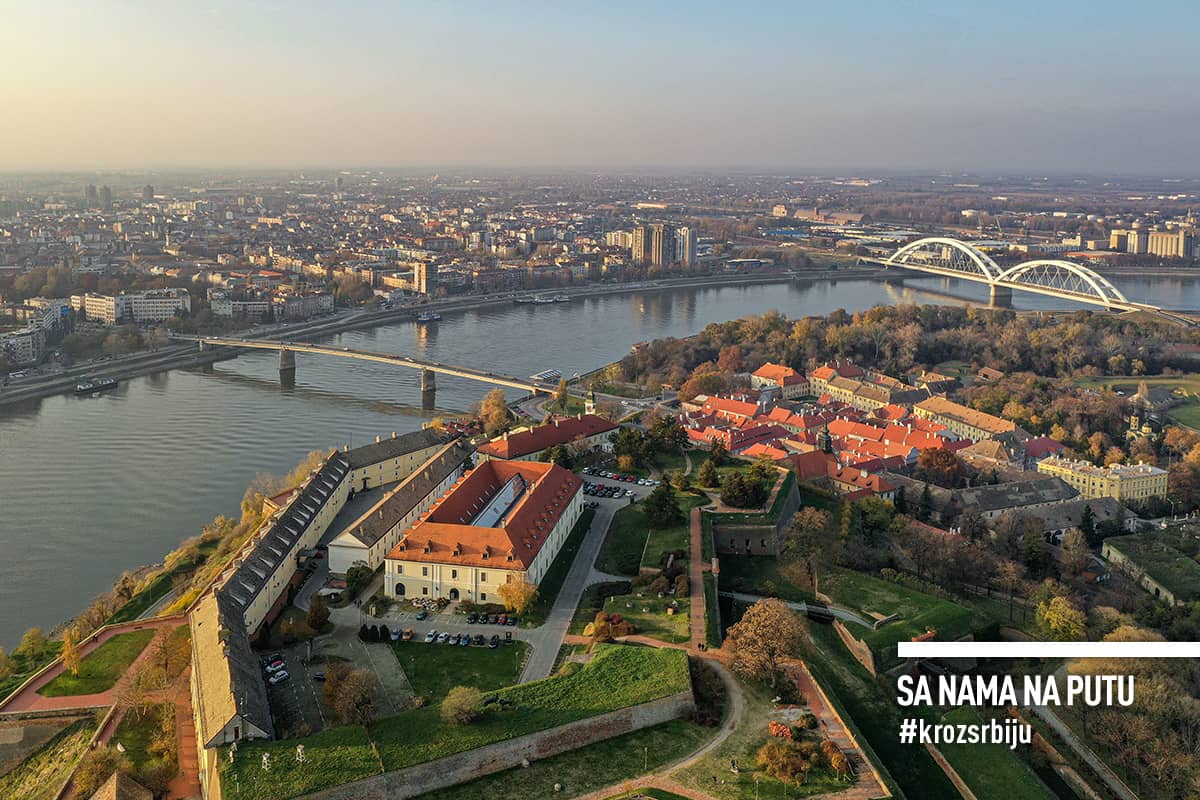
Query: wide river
[{"x": 92, "y": 486}]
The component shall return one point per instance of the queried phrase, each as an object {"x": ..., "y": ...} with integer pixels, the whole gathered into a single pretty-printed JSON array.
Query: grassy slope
[
  {"x": 991, "y": 770},
  {"x": 39, "y": 776},
  {"x": 628, "y": 537}
]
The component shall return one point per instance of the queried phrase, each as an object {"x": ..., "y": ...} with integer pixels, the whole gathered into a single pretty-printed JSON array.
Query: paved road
[{"x": 546, "y": 639}]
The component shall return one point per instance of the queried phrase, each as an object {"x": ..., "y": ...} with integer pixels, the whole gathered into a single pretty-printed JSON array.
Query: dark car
[
  {"x": 510, "y": 621},
  {"x": 471, "y": 618},
  {"x": 479, "y": 640},
  {"x": 319, "y": 677},
  {"x": 274, "y": 657},
  {"x": 422, "y": 614},
  {"x": 494, "y": 642}
]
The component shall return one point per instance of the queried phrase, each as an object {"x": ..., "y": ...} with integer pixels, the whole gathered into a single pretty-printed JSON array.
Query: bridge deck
[{"x": 377, "y": 357}]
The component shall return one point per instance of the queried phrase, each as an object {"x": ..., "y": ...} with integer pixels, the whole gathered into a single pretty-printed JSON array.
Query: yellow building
[
  {"x": 504, "y": 521},
  {"x": 1125, "y": 482}
]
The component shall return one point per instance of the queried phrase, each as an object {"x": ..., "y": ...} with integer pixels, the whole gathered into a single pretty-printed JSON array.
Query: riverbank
[{"x": 187, "y": 356}]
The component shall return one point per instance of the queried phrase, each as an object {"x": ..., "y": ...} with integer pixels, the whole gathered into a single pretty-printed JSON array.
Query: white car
[
  {"x": 429, "y": 637},
  {"x": 443, "y": 638},
  {"x": 278, "y": 666},
  {"x": 278, "y": 677}
]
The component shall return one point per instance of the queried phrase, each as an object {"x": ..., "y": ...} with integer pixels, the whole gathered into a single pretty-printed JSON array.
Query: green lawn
[
  {"x": 632, "y": 543},
  {"x": 41, "y": 774},
  {"x": 669, "y": 463},
  {"x": 654, "y": 794},
  {"x": 618, "y": 676},
  {"x": 918, "y": 612},
  {"x": 137, "y": 731},
  {"x": 655, "y": 622},
  {"x": 101, "y": 668},
  {"x": 332, "y": 757},
  {"x": 23, "y": 667},
  {"x": 1158, "y": 553},
  {"x": 552, "y": 581},
  {"x": 991, "y": 770},
  {"x": 759, "y": 575},
  {"x": 865, "y": 705},
  {"x": 743, "y": 744},
  {"x": 589, "y": 768},
  {"x": 433, "y": 670}
]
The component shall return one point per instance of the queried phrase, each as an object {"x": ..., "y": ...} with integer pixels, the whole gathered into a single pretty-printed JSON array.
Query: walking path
[
  {"x": 546, "y": 640},
  {"x": 802, "y": 607},
  {"x": 28, "y": 699},
  {"x": 1106, "y": 774}
]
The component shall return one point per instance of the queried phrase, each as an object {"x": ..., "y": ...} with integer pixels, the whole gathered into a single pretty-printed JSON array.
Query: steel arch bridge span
[
  {"x": 947, "y": 255},
  {"x": 1057, "y": 276}
]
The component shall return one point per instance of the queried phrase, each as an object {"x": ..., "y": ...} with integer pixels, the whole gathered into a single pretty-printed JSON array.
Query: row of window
[{"x": 453, "y": 573}]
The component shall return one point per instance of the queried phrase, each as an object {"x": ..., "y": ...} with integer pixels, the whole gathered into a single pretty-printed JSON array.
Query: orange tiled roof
[
  {"x": 537, "y": 439},
  {"x": 445, "y": 535}
]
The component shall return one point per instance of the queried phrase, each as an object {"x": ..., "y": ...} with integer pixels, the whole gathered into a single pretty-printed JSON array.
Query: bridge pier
[
  {"x": 428, "y": 389},
  {"x": 1001, "y": 297},
  {"x": 287, "y": 368}
]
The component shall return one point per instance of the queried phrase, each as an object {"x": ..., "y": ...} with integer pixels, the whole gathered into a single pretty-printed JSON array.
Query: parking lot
[{"x": 601, "y": 484}]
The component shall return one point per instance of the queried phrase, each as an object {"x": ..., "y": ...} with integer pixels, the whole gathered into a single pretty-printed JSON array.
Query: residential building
[
  {"x": 584, "y": 431},
  {"x": 137, "y": 307},
  {"x": 1124, "y": 482},
  {"x": 504, "y": 521},
  {"x": 791, "y": 384},
  {"x": 425, "y": 278},
  {"x": 23, "y": 346},
  {"x": 685, "y": 245},
  {"x": 819, "y": 378},
  {"x": 967, "y": 422}
]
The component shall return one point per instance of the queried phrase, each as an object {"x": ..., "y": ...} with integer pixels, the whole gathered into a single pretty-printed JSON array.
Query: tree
[
  {"x": 6, "y": 666},
  {"x": 1010, "y": 574},
  {"x": 768, "y": 632},
  {"x": 741, "y": 491},
  {"x": 462, "y": 705},
  {"x": 942, "y": 467},
  {"x": 518, "y": 595},
  {"x": 493, "y": 412},
  {"x": 708, "y": 475},
  {"x": 33, "y": 645},
  {"x": 682, "y": 481},
  {"x": 561, "y": 395},
  {"x": 900, "y": 500},
  {"x": 972, "y": 526},
  {"x": 350, "y": 692},
  {"x": 925, "y": 506},
  {"x": 661, "y": 506},
  {"x": 807, "y": 539},
  {"x": 717, "y": 452},
  {"x": 1075, "y": 552},
  {"x": 358, "y": 577},
  {"x": 1087, "y": 525},
  {"x": 558, "y": 454},
  {"x": 96, "y": 767},
  {"x": 666, "y": 434},
  {"x": 318, "y": 614},
  {"x": 1061, "y": 620},
  {"x": 70, "y": 652}
]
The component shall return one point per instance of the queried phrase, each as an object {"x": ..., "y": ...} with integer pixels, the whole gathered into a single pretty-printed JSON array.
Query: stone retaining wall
[{"x": 461, "y": 767}]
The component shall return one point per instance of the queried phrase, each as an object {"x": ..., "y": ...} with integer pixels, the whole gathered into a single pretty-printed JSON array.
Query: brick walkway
[
  {"x": 186, "y": 783},
  {"x": 28, "y": 698}
]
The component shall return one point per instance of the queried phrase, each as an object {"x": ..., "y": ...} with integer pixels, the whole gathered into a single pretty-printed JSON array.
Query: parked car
[
  {"x": 471, "y": 619},
  {"x": 422, "y": 614},
  {"x": 443, "y": 638},
  {"x": 430, "y": 637},
  {"x": 494, "y": 619},
  {"x": 511, "y": 621},
  {"x": 503, "y": 620},
  {"x": 407, "y": 635},
  {"x": 395, "y": 634},
  {"x": 275, "y": 666},
  {"x": 493, "y": 643},
  {"x": 278, "y": 677},
  {"x": 479, "y": 640},
  {"x": 465, "y": 640},
  {"x": 271, "y": 659}
]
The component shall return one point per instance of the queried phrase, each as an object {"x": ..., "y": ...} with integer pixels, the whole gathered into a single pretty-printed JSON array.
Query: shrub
[
  {"x": 660, "y": 585},
  {"x": 682, "y": 586},
  {"x": 364, "y": 633},
  {"x": 462, "y": 705}
]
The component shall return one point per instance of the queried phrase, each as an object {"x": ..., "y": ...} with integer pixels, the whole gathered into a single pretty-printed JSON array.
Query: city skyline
[{"x": 1011, "y": 87}]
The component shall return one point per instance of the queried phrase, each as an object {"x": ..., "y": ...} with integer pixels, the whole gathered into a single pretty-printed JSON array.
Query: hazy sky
[{"x": 1048, "y": 86}]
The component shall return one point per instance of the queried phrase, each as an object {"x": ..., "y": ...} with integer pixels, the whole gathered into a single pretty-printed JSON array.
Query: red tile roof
[
  {"x": 444, "y": 534},
  {"x": 535, "y": 440},
  {"x": 778, "y": 374}
]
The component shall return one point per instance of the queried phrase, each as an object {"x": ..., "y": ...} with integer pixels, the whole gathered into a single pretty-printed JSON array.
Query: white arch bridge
[{"x": 1066, "y": 280}]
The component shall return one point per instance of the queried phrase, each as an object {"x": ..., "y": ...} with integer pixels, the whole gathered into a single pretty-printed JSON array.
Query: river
[{"x": 92, "y": 486}]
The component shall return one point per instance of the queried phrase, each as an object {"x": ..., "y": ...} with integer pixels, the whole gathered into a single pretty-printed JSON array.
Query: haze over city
[{"x": 938, "y": 85}]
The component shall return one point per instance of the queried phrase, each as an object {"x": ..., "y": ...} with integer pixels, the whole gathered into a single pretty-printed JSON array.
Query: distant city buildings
[{"x": 139, "y": 308}]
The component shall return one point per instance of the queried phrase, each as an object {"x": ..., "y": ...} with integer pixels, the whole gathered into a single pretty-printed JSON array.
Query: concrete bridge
[{"x": 429, "y": 369}]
